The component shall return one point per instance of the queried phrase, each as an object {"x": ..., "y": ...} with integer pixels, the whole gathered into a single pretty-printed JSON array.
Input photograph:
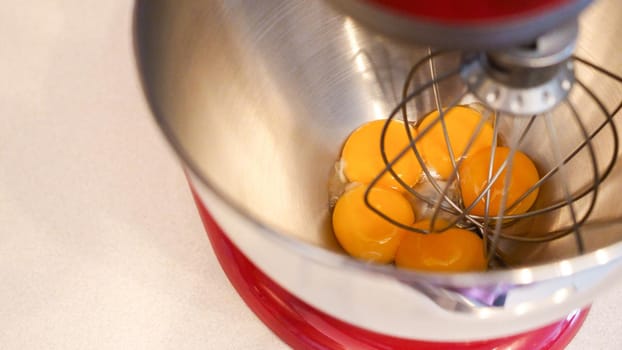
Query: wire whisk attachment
[{"x": 573, "y": 144}]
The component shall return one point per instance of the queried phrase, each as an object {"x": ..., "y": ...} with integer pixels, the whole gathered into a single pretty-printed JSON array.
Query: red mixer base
[{"x": 304, "y": 327}]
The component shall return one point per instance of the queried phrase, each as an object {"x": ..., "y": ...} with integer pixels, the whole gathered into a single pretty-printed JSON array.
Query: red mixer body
[
  {"x": 473, "y": 24},
  {"x": 473, "y": 11}
]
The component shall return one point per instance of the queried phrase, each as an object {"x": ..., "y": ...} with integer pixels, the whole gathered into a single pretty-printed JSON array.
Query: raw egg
[
  {"x": 461, "y": 122},
  {"x": 453, "y": 250},
  {"x": 363, "y": 160},
  {"x": 474, "y": 178},
  {"x": 364, "y": 234}
]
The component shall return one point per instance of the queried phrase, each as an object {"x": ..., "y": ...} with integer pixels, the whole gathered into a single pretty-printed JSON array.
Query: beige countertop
[{"x": 100, "y": 244}]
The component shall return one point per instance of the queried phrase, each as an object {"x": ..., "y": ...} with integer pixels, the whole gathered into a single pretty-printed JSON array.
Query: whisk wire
[
  {"x": 564, "y": 180},
  {"x": 504, "y": 197},
  {"x": 390, "y": 163},
  {"x": 454, "y": 176}
]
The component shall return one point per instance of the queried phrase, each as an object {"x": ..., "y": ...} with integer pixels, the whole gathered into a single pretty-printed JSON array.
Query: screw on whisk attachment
[
  {"x": 527, "y": 79},
  {"x": 570, "y": 173}
]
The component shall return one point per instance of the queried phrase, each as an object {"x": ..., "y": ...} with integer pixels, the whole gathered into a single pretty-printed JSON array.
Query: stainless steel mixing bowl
[{"x": 257, "y": 97}]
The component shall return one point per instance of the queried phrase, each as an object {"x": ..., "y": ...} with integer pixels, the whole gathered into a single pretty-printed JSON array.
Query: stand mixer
[{"x": 257, "y": 98}]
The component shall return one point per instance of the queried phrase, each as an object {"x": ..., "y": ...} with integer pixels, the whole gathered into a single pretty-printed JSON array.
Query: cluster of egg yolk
[
  {"x": 452, "y": 250},
  {"x": 460, "y": 123},
  {"x": 367, "y": 236},
  {"x": 364, "y": 234},
  {"x": 473, "y": 174},
  {"x": 363, "y": 158}
]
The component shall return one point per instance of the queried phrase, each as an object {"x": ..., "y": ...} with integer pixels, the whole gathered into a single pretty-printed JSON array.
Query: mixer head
[
  {"x": 475, "y": 24},
  {"x": 523, "y": 82}
]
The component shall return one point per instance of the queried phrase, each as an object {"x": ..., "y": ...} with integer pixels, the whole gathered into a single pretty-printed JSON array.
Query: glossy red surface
[
  {"x": 304, "y": 327},
  {"x": 472, "y": 10}
]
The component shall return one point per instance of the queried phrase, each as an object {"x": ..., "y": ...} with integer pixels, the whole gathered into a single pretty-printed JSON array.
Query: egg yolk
[
  {"x": 461, "y": 122},
  {"x": 474, "y": 178},
  {"x": 363, "y": 160},
  {"x": 364, "y": 234},
  {"x": 453, "y": 250}
]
